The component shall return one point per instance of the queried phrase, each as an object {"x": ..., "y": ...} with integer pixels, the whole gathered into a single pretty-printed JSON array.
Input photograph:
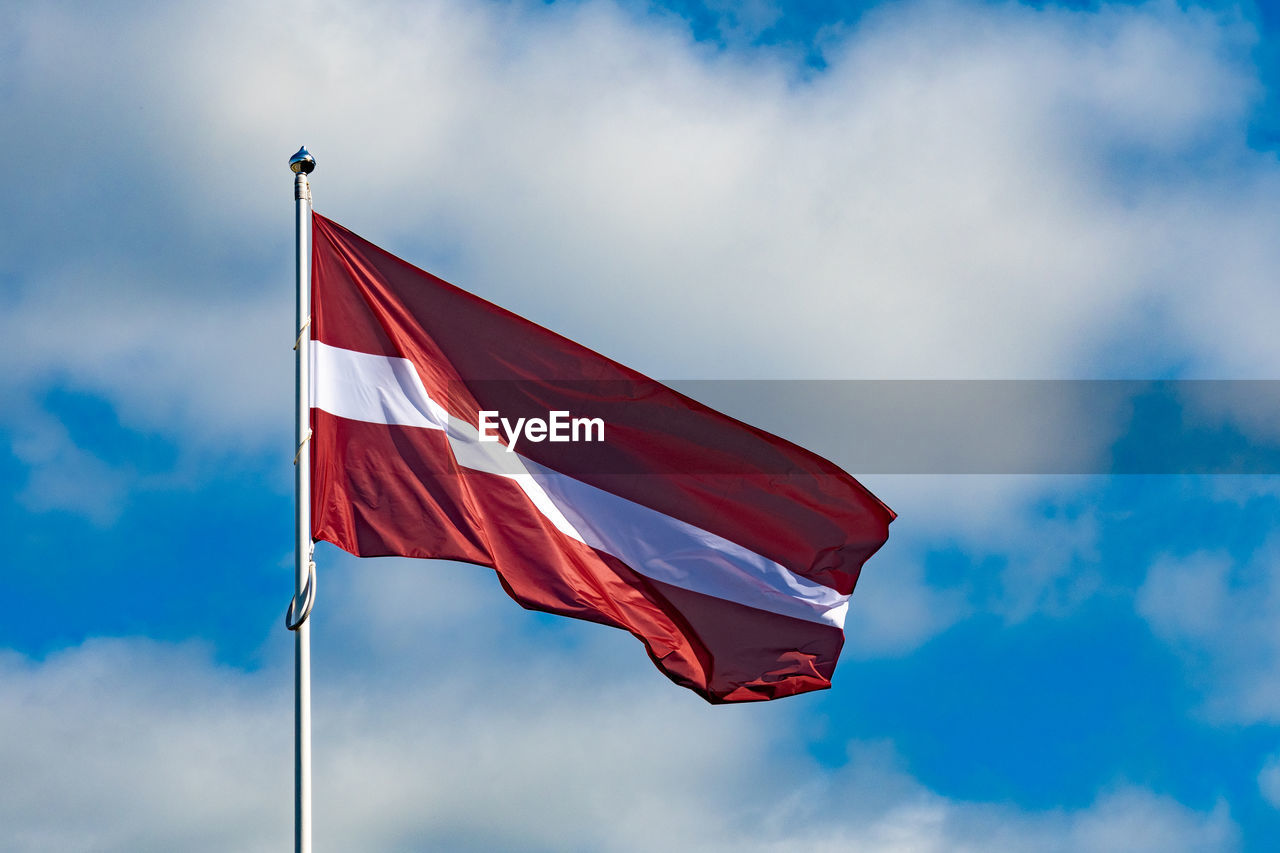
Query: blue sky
[{"x": 919, "y": 190}]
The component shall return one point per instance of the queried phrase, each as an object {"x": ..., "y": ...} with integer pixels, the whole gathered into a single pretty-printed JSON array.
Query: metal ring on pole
[
  {"x": 297, "y": 343},
  {"x": 296, "y": 615},
  {"x": 305, "y": 439}
]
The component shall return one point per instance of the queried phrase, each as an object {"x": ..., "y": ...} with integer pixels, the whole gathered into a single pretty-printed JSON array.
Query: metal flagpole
[{"x": 302, "y": 164}]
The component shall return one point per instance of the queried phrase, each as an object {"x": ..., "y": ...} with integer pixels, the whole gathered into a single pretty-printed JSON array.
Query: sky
[{"x": 1056, "y": 650}]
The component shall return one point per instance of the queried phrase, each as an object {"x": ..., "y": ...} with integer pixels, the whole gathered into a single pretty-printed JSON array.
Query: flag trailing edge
[{"x": 729, "y": 552}]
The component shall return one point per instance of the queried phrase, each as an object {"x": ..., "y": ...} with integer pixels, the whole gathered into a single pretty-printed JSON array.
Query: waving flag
[{"x": 446, "y": 427}]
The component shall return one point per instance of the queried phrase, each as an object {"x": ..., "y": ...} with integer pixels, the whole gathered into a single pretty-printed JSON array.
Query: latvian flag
[{"x": 729, "y": 552}]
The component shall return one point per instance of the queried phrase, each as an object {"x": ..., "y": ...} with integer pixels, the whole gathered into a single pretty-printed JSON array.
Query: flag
[{"x": 446, "y": 427}]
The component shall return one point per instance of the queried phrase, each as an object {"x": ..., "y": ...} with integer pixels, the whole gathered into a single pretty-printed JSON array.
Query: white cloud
[
  {"x": 1221, "y": 613},
  {"x": 133, "y": 745},
  {"x": 895, "y": 609},
  {"x": 180, "y": 356},
  {"x": 1269, "y": 781},
  {"x": 440, "y": 722},
  {"x": 62, "y": 476},
  {"x": 1029, "y": 545},
  {"x": 965, "y": 191}
]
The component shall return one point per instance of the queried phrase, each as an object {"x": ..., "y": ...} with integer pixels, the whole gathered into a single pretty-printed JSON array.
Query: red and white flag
[{"x": 446, "y": 427}]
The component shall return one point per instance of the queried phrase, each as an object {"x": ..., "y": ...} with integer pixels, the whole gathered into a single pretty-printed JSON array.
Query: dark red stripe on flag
[{"x": 771, "y": 655}]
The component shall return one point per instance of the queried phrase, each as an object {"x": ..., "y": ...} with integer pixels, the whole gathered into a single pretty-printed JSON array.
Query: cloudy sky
[{"x": 1043, "y": 657}]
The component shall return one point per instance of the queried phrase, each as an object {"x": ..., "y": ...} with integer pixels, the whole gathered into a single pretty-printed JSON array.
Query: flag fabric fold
[{"x": 729, "y": 552}]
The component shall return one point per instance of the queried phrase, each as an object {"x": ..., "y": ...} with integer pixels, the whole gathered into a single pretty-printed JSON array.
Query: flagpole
[{"x": 296, "y": 620}]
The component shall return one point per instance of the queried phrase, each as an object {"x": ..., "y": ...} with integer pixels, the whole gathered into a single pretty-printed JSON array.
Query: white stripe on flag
[
  {"x": 382, "y": 389},
  {"x": 371, "y": 388}
]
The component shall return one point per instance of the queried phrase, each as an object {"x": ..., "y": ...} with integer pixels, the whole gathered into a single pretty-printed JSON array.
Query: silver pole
[{"x": 302, "y": 164}]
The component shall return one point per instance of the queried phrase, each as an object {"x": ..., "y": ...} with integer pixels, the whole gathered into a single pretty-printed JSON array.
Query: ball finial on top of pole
[{"x": 302, "y": 162}]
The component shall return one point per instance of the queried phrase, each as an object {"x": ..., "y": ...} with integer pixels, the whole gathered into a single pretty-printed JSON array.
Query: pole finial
[{"x": 302, "y": 162}]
